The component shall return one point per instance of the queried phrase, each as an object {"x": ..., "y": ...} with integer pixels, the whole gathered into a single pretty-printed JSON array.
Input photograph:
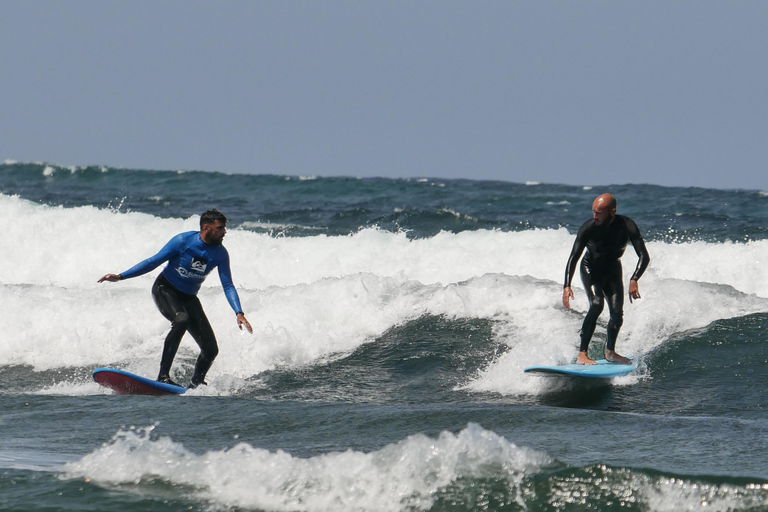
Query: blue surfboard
[
  {"x": 127, "y": 383},
  {"x": 601, "y": 370}
]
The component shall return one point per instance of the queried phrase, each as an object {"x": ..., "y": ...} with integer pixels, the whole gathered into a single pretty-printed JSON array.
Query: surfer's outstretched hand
[{"x": 112, "y": 278}]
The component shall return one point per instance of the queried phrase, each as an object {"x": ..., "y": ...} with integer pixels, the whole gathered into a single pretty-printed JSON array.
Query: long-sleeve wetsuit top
[
  {"x": 190, "y": 260},
  {"x": 605, "y": 245}
]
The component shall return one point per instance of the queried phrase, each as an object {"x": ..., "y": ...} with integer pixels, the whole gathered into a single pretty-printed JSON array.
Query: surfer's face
[
  {"x": 602, "y": 213},
  {"x": 213, "y": 233}
]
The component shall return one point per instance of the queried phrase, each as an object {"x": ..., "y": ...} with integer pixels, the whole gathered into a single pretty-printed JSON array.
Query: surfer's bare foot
[
  {"x": 613, "y": 357},
  {"x": 584, "y": 359}
]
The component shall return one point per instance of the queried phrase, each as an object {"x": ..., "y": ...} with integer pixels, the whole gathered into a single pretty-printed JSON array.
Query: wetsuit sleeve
[
  {"x": 578, "y": 247},
  {"x": 229, "y": 287},
  {"x": 642, "y": 253},
  {"x": 171, "y": 249}
]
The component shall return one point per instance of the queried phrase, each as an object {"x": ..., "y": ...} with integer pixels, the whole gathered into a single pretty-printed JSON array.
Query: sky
[{"x": 672, "y": 93}]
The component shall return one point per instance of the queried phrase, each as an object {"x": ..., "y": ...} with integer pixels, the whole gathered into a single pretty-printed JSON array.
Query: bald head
[
  {"x": 607, "y": 200},
  {"x": 604, "y": 209}
]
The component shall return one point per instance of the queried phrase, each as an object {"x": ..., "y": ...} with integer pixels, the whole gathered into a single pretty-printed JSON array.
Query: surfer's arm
[
  {"x": 171, "y": 248},
  {"x": 570, "y": 268},
  {"x": 643, "y": 259},
  {"x": 230, "y": 292}
]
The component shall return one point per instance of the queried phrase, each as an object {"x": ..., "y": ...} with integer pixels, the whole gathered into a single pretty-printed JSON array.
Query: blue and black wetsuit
[
  {"x": 190, "y": 260},
  {"x": 601, "y": 271}
]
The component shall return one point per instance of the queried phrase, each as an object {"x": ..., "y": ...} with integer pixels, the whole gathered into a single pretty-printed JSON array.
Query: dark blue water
[{"x": 423, "y": 207}]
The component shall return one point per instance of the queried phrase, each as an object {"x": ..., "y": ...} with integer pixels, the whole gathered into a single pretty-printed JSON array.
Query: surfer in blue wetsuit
[
  {"x": 191, "y": 256},
  {"x": 605, "y": 237}
]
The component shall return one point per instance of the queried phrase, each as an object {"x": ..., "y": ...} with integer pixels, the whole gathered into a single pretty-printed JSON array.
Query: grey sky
[{"x": 586, "y": 93}]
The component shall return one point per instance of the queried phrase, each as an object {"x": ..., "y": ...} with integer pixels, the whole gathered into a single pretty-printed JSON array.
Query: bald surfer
[{"x": 605, "y": 237}]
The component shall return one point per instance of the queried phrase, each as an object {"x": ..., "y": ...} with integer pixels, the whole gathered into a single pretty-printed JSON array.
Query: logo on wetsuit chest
[{"x": 198, "y": 265}]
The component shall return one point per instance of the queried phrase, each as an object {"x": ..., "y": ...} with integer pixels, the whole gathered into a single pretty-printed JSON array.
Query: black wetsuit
[
  {"x": 601, "y": 271},
  {"x": 186, "y": 315}
]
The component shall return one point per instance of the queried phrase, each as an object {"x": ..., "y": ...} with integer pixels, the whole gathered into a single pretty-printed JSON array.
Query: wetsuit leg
[
  {"x": 614, "y": 292},
  {"x": 170, "y": 302},
  {"x": 186, "y": 315},
  {"x": 595, "y": 294},
  {"x": 201, "y": 331}
]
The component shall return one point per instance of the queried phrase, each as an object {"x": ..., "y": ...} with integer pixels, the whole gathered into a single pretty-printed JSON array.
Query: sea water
[{"x": 392, "y": 322}]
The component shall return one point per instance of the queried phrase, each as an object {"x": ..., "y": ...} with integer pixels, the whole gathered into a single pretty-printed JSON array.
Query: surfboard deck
[
  {"x": 601, "y": 370},
  {"x": 127, "y": 383}
]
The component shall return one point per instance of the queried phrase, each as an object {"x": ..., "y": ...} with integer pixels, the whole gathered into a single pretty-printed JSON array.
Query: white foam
[
  {"x": 405, "y": 475},
  {"x": 71, "y": 247},
  {"x": 311, "y": 298},
  {"x": 668, "y": 306},
  {"x": 676, "y": 494},
  {"x": 744, "y": 266}
]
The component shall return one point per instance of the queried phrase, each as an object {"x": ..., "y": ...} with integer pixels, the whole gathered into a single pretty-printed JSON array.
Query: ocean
[{"x": 392, "y": 321}]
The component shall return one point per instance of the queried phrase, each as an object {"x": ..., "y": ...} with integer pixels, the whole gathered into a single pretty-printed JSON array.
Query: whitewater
[{"x": 318, "y": 297}]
